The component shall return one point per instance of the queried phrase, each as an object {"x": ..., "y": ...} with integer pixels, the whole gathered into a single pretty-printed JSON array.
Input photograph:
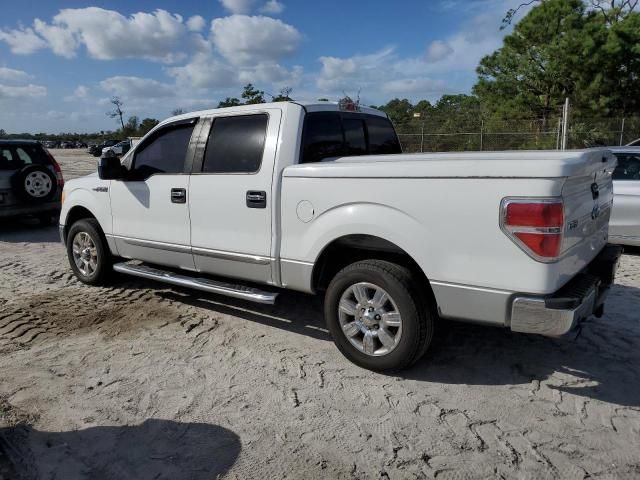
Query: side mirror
[{"x": 109, "y": 168}]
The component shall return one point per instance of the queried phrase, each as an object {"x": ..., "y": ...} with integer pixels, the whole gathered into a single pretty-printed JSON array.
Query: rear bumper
[
  {"x": 18, "y": 210},
  {"x": 559, "y": 313}
]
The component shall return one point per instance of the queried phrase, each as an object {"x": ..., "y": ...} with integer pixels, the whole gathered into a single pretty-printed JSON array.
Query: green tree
[
  {"x": 284, "y": 95},
  {"x": 229, "y": 102},
  {"x": 177, "y": 111},
  {"x": 146, "y": 125},
  {"x": 563, "y": 49},
  {"x": 131, "y": 127},
  {"x": 400, "y": 111},
  {"x": 2, "y": 133},
  {"x": 252, "y": 95}
]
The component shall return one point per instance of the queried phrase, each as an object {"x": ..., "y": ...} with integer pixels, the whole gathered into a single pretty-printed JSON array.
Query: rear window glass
[
  {"x": 628, "y": 167},
  {"x": 15, "y": 157},
  {"x": 322, "y": 137},
  {"x": 339, "y": 134}
]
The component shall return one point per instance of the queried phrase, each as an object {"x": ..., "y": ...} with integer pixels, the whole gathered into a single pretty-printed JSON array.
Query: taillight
[
  {"x": 535, "y": 225},
  {"x": 56, "y": 168}
]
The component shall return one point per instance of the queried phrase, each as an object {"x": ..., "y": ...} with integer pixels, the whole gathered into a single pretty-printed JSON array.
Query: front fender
[{"x": 96, "y": 202}]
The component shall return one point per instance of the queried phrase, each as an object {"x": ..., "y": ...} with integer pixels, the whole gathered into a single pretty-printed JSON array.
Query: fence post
[
  {"x": 565, "y": 122},
  {"x": 622, "y": 132},
  {"x": 558, "y": 133},
  {"x": 422, "y": 138},
  {"x": 481, "y": 134}
]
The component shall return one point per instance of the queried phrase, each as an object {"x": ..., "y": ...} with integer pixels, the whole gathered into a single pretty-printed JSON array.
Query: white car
[
  {"x": 625, "y": 219},
  {"x": 314, "y": 198},
  {"x": 117, "y": 150}
]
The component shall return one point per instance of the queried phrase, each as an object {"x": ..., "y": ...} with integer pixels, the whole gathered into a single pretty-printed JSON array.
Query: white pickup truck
[{"x": 313, "y": 198}]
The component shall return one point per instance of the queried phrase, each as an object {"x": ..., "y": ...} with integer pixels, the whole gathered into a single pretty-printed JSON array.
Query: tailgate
[{"x": 588, "y": 198}]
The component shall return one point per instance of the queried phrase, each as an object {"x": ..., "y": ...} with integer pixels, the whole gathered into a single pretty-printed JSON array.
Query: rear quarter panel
[{"x": 449, "y": 226}]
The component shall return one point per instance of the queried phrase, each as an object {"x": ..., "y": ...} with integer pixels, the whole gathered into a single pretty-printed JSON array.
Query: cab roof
[{"x": 306, "y": 106}]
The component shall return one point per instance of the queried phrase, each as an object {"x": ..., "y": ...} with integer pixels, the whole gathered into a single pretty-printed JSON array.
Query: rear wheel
[
  {"x": 88, "y": 252},
  {"x": 377, "y": 316}
]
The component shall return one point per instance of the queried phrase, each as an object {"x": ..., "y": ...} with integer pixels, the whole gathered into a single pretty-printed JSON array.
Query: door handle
[
  {"x": 178, "y": 195},
  {"x": 256, "y": 199}
]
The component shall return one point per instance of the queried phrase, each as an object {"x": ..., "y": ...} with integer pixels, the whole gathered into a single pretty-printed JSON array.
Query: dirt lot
[{"x": 140, "y": 381}]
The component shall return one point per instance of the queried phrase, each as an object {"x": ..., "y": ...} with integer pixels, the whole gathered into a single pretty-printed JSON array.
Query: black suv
[{"x": 30, "y": 181}]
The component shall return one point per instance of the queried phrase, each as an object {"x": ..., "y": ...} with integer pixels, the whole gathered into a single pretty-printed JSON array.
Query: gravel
[{"x": 141, "y": 381}]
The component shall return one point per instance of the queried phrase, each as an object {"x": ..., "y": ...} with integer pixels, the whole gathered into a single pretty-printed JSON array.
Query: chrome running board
[{"x": 204, "y": 284}]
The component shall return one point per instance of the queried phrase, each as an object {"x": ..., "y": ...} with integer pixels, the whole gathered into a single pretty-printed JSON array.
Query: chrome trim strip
[
  {"x": 470, "y": 287},
  {"x": 172, "y": 247},
  {"x": 298, "y": 262},
  {"x": 232, "y": 256},
  {"x": 204, "y": 284}
]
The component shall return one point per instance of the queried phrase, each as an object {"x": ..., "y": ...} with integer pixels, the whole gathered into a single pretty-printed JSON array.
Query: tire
[
  {"x": 35, "y": 184},
  {"x": 404, "y": 344},
  {"x": 92, "y": 266}
]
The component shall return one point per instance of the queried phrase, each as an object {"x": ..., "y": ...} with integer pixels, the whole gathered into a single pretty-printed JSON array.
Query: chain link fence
[{"x": 460, "y": 133}]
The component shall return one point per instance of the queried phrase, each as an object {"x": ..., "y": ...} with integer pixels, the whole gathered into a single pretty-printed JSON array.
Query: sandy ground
[{"x": 140, "y": 381}]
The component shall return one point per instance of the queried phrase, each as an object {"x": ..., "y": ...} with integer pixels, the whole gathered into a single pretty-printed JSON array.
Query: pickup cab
[{"x": 318, "y": 198}]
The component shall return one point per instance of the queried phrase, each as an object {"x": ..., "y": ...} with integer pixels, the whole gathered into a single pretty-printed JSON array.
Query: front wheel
[
  {"x": 377, "y": 317},
  {"x": 88, "y": 252}
]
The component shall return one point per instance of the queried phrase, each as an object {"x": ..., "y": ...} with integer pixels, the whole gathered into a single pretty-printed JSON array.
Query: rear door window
[
  {"x": 628, "y": 167},
  {"x": 236, "y": 144}
]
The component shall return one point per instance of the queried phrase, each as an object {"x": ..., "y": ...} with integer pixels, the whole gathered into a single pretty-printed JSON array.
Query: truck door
[
  {"x": 230, "y": 195},
  {"x": 150, "y": 208}
]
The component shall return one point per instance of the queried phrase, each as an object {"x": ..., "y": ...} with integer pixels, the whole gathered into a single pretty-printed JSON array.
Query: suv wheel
[
  {"x": 88, "y": 252},
  {"x": 377, "y": 317},
  {"x": 35, "y": 184}
]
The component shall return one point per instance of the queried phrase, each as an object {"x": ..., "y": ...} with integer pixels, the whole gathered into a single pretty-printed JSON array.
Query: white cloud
[
  {"x": 204, "y": 71},
  {"x": 354, "y": 72},
  {"x": 408, "y": 86},
  {"x": 137, "y": 87},
  {"x": 238, "y": 6},
  {"x": 245, "y": 40},
  {"x": 22, "y": 41},
  {"x": 272, "y": 7},
  {"x": 438, "y": 50},
  {"x": 14, "y": 76},
  {"x": 79, "y": 94},
  {"x": 196, "y": 23},
  {"x": 107, "y": 34},
  {"x": 22, "y": 91},
  {"x": 59, "y": 38}
]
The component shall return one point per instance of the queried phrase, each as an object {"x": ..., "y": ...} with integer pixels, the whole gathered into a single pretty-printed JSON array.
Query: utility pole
[
  {"x": 565, "y": 123},
  {"x": 622, "y": 132}
]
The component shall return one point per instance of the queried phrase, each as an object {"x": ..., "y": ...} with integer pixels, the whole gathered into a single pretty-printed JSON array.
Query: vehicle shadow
[
  {"x": 27, "y": 230},
  {"x": 295, "y": 312},
  {"x": 600, "y": 361},
  {"x": 155, "y": 449}
]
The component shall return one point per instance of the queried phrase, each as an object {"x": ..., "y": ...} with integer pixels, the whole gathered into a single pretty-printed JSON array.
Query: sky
[{"x": 61, "y": 62}]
